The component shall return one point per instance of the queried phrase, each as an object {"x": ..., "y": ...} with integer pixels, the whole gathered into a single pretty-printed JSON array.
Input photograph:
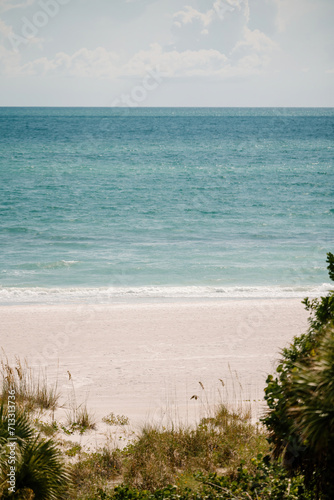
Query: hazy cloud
[
  {"x": 219, "y": 9},
  {"x": 175, "y": 64},
  {"x": 257, "y": 41},
  {"x": 6, "y": 5},
  {"x": 189, "y": 14},
  {"x": 98, "y": 63},
  {"x": 9, "y": 62}
]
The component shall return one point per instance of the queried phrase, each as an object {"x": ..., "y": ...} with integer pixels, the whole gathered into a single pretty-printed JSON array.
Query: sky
[{"x": 167, "y": 53}]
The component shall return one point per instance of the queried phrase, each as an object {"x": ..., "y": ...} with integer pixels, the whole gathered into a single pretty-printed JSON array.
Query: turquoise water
[{"x": 98, "y": 203}]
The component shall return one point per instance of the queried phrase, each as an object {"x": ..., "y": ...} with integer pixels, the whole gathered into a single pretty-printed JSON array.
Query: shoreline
[
  {"x": 109, "y": 296},
  {"x": 126, "y": 301}
]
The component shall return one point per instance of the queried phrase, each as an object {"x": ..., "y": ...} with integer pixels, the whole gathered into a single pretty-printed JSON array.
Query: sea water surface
[{"x": 105, "y": 203}]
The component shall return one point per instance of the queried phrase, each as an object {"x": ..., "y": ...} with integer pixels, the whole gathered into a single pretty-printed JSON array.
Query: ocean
[{"x": 112, "y": 204}]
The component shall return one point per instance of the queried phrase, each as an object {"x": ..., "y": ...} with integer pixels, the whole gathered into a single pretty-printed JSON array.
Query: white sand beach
[{"x": 143, "y": 359}]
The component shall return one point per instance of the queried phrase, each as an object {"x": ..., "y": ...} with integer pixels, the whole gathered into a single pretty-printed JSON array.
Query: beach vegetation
[
  {"x": 160, "y": 456},
  {"x": 32, "y": 391},
  {"x": 40, "y": 472},
  {"x": 46, "y": 428},
  {"x": 179, "y": 455},
  {"x": 266, "y": 481},
  {"x": 99, "y": 470},
  {"x": 113, "y": 419},
  {"x": 311, "y": 407},
  {"x": 213, "y": 459},
  {"x": 73, "y": 450},
  {"x": 300, "y": 399},
  {"x": 80, "y": 420}
]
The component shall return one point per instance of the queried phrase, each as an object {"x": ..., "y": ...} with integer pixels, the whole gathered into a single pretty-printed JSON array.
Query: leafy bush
[
  {"x": 267, "y": 481},
  {"x": 312, "y": 409},
  {"x": 302, "y": 378}
]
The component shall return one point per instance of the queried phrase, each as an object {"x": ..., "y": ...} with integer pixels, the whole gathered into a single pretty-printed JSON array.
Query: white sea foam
[{"x": 12, "y": 295}]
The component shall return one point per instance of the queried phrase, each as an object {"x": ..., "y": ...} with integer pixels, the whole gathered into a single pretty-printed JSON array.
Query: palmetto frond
[
  {"x": 312, "y": 405},
  {"x": 39, "y": 464}
]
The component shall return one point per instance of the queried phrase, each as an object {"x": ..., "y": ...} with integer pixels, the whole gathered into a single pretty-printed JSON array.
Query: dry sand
[{"x": 145, "y": 359}]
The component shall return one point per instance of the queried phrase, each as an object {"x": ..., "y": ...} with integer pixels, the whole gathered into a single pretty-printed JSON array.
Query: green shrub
[
  {"x": 113, "y": 419},
  {"x": 299, "y": 385},
  {"x": 312, "y": 409},
  {"x": 266, "y": 481},
  {"x": 47, "y": 428}
]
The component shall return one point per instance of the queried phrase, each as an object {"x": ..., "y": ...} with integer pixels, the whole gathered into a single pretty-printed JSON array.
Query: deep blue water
[{"x": 100, "y": 202}]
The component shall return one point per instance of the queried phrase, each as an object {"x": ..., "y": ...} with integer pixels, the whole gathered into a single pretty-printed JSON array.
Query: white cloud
[
  {"x": 9, "y": 62},
  {"x": 219, "y": 10},
  {"x": 189, "y": 15},
  {"x": 176, "y": 64},
  {"x": 251, "y": 64},
  {"x": 98, "y": 63},
  {"x": 256, "y": 41},
  {"x": 202, "y": 63},
  {"x": 11, "y": 4},
  {"x": 222, "y": 7}
]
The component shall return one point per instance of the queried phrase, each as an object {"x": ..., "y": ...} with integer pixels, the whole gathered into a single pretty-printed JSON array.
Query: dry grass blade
[{"x": 31, "y": 391}]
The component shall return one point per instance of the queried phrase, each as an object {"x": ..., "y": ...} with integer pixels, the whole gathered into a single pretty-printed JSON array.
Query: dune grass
[
  {"x": 101, "y": 469},
  {"x": 162, "y": 456},
  {"x": 32, "y": 391},
  {"x": 80, "y": 419}
]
